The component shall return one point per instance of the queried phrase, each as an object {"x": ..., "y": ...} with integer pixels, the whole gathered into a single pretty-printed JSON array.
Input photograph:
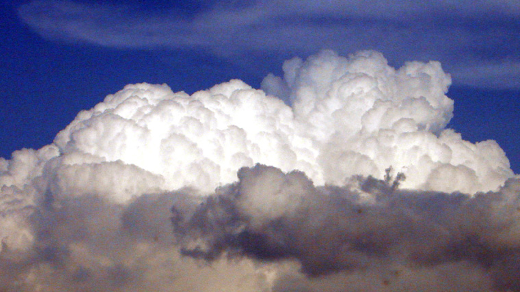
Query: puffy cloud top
[{"x": 349, "y": 116}]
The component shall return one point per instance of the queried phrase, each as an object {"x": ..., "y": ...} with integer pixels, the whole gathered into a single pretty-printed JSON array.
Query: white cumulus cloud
[{"x": 92, "y": 209}]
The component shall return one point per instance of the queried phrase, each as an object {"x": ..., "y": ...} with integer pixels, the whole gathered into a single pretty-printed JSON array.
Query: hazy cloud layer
[{"x": 468, "y": 37}]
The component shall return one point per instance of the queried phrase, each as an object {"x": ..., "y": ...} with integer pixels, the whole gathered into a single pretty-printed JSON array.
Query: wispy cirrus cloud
[{"x": 460, "y": 34}]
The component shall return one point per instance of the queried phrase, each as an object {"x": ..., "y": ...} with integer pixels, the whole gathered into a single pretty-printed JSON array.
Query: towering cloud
[{"x": 340, "y": 175}]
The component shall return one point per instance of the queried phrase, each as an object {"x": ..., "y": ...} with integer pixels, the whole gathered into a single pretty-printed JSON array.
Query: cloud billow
[{"x": 357, "y": 185}]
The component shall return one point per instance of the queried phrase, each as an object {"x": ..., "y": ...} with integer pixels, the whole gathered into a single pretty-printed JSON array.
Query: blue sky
[{"x": 59, "y": 57}]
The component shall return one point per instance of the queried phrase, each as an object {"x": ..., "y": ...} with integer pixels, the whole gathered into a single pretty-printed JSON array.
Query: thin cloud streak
[{"x": 435, "y": 31}]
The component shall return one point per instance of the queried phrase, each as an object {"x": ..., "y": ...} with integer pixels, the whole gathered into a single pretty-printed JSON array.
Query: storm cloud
[{"x": 389, "y": 239}]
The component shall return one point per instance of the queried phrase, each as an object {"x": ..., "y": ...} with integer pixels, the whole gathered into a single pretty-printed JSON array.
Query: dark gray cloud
[
  {"x": 477, "y": 42},
  {"x": 368, "y": 227},
  {"x": 273, "y": 231}
]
